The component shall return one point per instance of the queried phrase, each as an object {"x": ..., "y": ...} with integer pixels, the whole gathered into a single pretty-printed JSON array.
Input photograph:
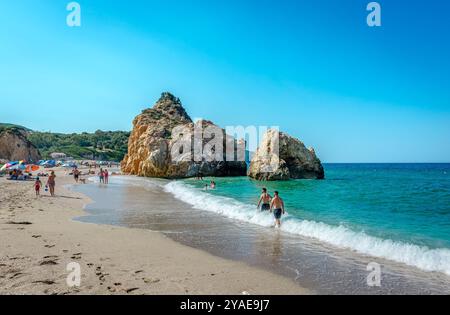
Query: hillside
[
  {"x": 15, "y": 146},
  {"x": 101, "y": 145}
]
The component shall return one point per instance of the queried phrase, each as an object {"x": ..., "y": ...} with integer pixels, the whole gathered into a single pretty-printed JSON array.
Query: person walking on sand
[
  {"x": 37, "y": 187},
  {"x": 264, "y": 200},
  {"x": 51, "y": 183},
  {"x": 277, "y": 206},
  {"x": 76, "y": 174},
  {"x": 101, "y": 176}
]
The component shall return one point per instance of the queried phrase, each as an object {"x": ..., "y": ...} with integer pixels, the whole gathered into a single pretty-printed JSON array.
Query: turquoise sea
[{"x": 400, "y": 212}]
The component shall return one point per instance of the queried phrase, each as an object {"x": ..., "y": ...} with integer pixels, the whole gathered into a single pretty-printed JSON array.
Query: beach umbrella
[
  {"x": 16, "y": 167},
  {"x": 7, "y": 166},
  {"x": 3, "y": 167},
  {"x": 31, "y": 168}
]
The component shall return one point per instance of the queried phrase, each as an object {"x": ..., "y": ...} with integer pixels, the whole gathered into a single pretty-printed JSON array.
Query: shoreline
[
  {"x": 42, "y": 236},
  {"x": 145, "y": 203}
]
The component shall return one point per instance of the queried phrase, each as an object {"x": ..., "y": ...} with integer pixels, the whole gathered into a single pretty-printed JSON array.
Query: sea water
[
  {"x": 396, "y": 215},
  {"x": 394, "y": 211}
]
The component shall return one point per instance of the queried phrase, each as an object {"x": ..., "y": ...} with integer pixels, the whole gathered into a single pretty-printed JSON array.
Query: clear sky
[{"x": 314, "y": 68}]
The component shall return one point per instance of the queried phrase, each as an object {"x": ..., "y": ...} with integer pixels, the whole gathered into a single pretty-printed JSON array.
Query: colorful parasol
[{"x": 31, "y": 168}]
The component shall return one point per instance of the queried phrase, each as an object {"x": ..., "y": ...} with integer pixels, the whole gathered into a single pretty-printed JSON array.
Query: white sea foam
[{"x": 413, "y": 255}]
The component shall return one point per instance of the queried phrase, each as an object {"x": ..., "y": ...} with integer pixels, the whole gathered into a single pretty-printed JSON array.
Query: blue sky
[{"x": 314, "y": 68}]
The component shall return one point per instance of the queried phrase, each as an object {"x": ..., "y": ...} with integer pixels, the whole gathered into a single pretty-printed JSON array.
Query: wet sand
[{"x": 39, "y": 237}]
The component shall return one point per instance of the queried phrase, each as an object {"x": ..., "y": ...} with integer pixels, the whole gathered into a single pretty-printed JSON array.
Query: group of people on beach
[
  {"x": 18, "y": 175},
  {"x": 51, "y": 181},
  {"x": 266, "y": 202},
  {"x": 273, "y": 204},
  {"x": 50, "y": 186},
  {"x": 103, "y": 176}
]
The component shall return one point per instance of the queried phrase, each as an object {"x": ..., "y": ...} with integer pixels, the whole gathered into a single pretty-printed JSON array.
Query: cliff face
[
  {"x": 15, "y": 147},
  {"x": 154, "y": 146},
  {"x": 294, "y": 160}
]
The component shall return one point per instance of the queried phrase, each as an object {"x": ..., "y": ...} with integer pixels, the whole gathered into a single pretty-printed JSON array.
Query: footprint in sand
[
  {"x": 47, "y": 282},
  {"x": 112, "y": 290},
  {"x": 49, "y": 246},
  {"x": 131, "y": 290},
  {"x": 36, "y": 236},
  {"x": 76, "y": 256},
  {"x": 19, "y": 223},
  {"x": 51, "y": 262},
  {"x": 150, "y": 281},
  {"x": 16, "y": 275}
]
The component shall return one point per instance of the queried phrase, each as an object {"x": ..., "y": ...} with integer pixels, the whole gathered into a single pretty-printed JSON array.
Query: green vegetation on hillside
[
  {"x": 4, "y": 126},
  {"x": 101, "y": 145}
]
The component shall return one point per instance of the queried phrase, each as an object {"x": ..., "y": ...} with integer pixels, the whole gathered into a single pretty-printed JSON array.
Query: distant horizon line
[{"x": 380, "y": 163}]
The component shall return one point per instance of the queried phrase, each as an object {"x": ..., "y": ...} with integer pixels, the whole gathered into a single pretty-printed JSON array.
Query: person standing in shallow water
[
  {"x": 106, "y": 176},
  {"x": 264, "y": 200},
  {"x": 76, "y": 174},
  {"x": 277, "y": 206},
  {"x": 101, "y": 176}
]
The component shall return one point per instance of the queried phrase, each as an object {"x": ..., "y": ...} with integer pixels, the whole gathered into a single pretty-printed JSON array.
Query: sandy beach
[{"x": 40, "y": 238}]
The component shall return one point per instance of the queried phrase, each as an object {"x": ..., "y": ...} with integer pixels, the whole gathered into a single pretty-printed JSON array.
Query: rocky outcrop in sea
[
  {"x": 282, "y": 157},
  {"x": 163, "y": 144}
]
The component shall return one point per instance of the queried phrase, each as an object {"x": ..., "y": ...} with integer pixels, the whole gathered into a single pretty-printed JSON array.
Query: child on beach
[{"x": 37, "y": 186}]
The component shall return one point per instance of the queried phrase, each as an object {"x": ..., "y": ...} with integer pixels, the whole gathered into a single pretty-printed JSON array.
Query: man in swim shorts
[
  {"x": 277, "y": 206},
  {"x": 264, "y": 200}
]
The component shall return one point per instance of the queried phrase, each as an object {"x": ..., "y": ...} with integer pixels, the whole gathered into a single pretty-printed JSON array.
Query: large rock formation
[
  {"x": 154, "y": 148},
  {"x": 282, "y": 157},
  {"x": 14, "y": 146}
]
